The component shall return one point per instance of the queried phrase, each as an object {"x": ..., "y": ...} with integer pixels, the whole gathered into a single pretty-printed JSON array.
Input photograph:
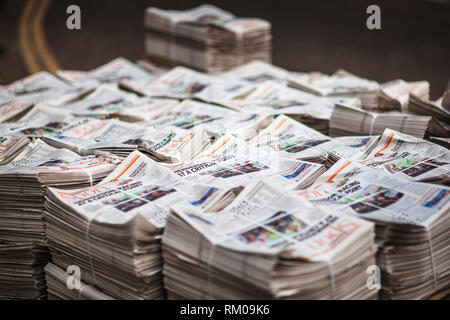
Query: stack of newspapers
[
  {"x": 116, "y": 228},
  {"x": 63, "y": 285},
  {"x": 131, "y": 181},
  {"x": 427, "y": 107},
  {"x": 341, "y": 84},
  {"x": 22, "y": 245},
  {"x": 23, "y": 182},
  {"x": 266, "y": 244},
  {"x": 371, "y": 123},
  {"x": 412, "y": 220},
  {"x": 395, "y": 94},
  {"x": 22, "y": 270},
  {"x": 206, "y": 38}
]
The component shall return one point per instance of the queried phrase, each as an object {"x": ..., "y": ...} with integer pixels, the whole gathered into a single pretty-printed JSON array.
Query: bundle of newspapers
[
  {"x": 402, "y": 106},
  {"x": 370, "y": 123},
  {"x": 205, "y": 38},
  {"x": 132, "y": 181},
  {"x": 112, "y": 231},
  {"x": 64, "y": 286},
  {"x": 412, "y": 222},
  {"x": 341, "y": 83},
  {"x": 266, "y": 244},
  {"x": 23, "y": 182}
]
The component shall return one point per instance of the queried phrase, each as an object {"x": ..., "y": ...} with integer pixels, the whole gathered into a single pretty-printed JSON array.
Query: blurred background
[{"x": 413, "y": 43}]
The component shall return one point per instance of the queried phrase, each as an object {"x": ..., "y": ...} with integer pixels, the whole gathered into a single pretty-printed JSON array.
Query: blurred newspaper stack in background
[{"x": 205, "y": 38}]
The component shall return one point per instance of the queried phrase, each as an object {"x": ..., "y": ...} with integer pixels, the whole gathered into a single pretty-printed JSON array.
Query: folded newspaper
[
  {"x": 304, "y": 107},
  {"x": 294, "y": 140},
  {"x": 341, "y": 84},
  {"x": 398, "y": 154},
  {"x": 394, "y": 95}
]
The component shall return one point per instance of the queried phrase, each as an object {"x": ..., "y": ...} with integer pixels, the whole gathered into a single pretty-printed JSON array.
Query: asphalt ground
[{"x": 413, "y": 43}]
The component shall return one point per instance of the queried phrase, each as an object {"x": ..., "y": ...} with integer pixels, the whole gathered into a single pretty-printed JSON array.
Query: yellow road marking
[
  {"x": 42, "y": 47},
  {"x": 25, "y": 45},
  {"x": 33, "y": 42}
]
